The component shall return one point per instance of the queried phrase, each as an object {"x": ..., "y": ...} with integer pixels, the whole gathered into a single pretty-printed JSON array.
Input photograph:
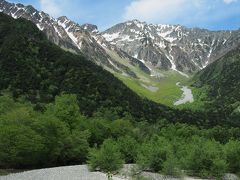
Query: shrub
[
  {"x": 128, "y": 147},
  {"x": 232, "y": 151},
  {"x": 153, "y": 154},
  {"x": 107, "y": 158}
]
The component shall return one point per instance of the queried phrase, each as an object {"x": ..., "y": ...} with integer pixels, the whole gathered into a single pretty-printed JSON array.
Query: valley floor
[
  {"x": 81, "y": 172},
  {"x": 187, "y": 95},
  {"x": 164, "y": 89}
]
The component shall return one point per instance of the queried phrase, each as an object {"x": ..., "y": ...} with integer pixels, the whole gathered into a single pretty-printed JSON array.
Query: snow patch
[
  {"x": 70, "y": 34},
  {"x": 209, "y": 54},
  {"x": 150, "y": 88},
  {"x": 171, "y": 59},
  {"x": 111, "y": 37},
  {"x": 56, "y": 29},
  {"x": 39, "y": 27}
]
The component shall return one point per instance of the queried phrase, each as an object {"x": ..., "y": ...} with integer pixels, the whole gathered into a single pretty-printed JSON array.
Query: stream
[{"x": 187, "y": 95}]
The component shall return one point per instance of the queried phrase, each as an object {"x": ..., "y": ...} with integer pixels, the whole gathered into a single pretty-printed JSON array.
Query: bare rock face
[
  {"x": 145, "y": 46},
  {"x": 70, "y": 36},
  {"x": 172, "y": 46},
  {"x": 44, "y": 22}
]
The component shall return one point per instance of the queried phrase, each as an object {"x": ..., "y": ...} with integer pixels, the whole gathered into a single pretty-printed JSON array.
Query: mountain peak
[
  {"x": 90, "y": 28},
  {"x": 63, "y": 18}
]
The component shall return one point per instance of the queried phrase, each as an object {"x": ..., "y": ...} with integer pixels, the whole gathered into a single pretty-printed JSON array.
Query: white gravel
[
  {"x": 80, "y": 172},
  {"x": 187, "y": 95}
]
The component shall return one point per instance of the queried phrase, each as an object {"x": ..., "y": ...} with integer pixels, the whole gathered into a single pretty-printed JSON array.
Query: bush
[
  {"x": 107, "y": 158},
  {"x": 171, "y": 166},
  {"x": 232, "y": 151},
  {"x": 152, "y": 154},
  {"x": 205, "y": 158},
  {"x": 128, "y": 147},
  {"x": 20, "y": 147}
]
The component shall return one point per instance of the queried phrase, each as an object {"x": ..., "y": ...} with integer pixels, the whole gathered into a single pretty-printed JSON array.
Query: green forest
[
  {"x": 62, "y": 135},
  {"x": 57, "y": 108}
]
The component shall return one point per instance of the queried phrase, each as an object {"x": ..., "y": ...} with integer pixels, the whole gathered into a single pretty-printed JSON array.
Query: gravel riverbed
[{"x": 80, "y": 172}]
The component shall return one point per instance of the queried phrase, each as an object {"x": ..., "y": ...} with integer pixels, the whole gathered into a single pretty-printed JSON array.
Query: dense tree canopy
[{"x": 57, "y": 108}]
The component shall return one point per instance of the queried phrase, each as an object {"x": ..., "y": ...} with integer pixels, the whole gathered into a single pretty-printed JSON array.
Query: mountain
[
  {"x": 34, "y": 68},
  {"x": 133, "y": 47},
  {"x": 150, "y": 59},
  {"x": 220, "y": 82},
  {"x": 75, "y": 38},
  {"x": 171, "y": 46}
]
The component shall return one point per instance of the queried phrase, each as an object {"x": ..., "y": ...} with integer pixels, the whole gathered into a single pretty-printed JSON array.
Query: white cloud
[
  {"x": 229, "y": 1},
  {"x": 53, "y": 7},
  {"x": 185, "y": 12},
  {"x": 151, "y": 9}
]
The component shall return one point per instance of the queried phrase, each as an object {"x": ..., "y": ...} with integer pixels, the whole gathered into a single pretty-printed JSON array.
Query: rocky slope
[
  {"x": 73, "y": 37},
  {"x": 133, "y": 46},
  {"x": 171, "y": 46}
]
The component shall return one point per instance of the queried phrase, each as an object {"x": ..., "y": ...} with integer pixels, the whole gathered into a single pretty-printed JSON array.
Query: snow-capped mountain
[
  {"x": 71, "y": 36},
  {"x": 43, "y": 21},
  {"x": 171, "y": 46},
  {"x": 131, "y": 46}
]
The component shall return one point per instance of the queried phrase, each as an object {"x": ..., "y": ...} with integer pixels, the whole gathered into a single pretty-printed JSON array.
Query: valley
[
  {"x": 140, "y": 54},
  {"x": 155, "y": 100},
  {"x": 165, "y": 89}
]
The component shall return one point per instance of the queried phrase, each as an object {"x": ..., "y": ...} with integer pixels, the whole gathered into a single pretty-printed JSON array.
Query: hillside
[
  {"x": 143, "y": 56},
  {"x": 58, "y": 108},
  {"x": 221, "y": 83},
  {"x": 32, "y": 67}
]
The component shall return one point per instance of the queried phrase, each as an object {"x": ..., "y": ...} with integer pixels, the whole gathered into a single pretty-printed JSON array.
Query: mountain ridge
[
  {"x": 173, "y": 47},
  {"x": 37, "y": 70},
  {"x": 179, "y": 47}
]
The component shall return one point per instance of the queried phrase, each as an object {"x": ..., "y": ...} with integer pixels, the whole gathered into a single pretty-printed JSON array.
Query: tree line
[{"x": 62, "y": 135}]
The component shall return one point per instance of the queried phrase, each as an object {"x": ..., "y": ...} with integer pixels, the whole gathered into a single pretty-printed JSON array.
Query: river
[{"x": 187, "y": 96}]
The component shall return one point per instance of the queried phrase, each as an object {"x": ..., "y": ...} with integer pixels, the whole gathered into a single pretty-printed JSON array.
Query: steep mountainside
[
  {"x": 73, "y": 37},
  {"x": 133, "y": 47},
  {"x": 222, "y": 82},
  {"x": 171, "y": 46},
  {"x": 32, "y": 67},
  {"x": 147, "y": 58}
]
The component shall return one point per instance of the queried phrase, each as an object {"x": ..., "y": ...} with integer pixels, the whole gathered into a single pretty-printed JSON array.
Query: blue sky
[{"x": 209, "y": 14}]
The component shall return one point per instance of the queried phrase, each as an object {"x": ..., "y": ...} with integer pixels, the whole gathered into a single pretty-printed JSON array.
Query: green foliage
[
  {"x": 205, "y": 158},
  {"x": 30, "y": 139},
  {"x": 107, "y": 158},
  {"x": 84, "y": 107},
  {"x": 65, "y": 108},
  {"x": 120, "y": 128},
  {"x": 128, "y": 147},
  {"x": 43, "y": 71},
  {"x": 6, "y": 104},
  {"x": 20, "y": 146},
  {"x": 221, "y": 83},
  {"x": 99, "y": 129},
  {"x": 153, "y": 153},
  {"x": 33, "y": 139},
  {"x": 171, "y": 167},
  {"x": 232, "y": 151}
]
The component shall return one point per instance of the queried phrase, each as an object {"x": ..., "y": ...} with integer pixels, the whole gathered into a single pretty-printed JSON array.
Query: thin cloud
[
  {"x": 192, "y": 13},
  {"x": 51, "y": 6},
  {"x": 149, "y": 10},
  {"x": 229, "y": 1}
]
